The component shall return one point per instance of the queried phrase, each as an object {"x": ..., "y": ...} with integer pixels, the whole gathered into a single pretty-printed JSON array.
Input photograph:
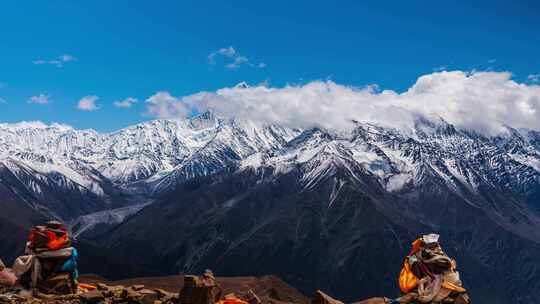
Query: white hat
[{"x": 430, "y": 238}]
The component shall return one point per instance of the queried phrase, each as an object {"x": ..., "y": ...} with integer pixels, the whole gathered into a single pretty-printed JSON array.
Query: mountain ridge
[{"x": 245, "y": 198}]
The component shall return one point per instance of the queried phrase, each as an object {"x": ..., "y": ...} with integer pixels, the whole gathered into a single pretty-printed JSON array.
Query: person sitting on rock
[
  {"x": 429, "y": 275},
  {"x": 50, "y": 262}
]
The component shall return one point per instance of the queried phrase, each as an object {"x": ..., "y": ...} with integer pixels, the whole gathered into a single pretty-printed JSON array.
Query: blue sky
[{"x": 137, "y": 48}]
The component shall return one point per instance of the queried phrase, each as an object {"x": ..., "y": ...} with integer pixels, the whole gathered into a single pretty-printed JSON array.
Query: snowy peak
[
  {"x": 153, "y": 157},
  {"x": 399, "y": 160},
  {"x": 434, "y": 128},
  {"x": 204, "y": 121},
  {"x": 242, "y": 85}
]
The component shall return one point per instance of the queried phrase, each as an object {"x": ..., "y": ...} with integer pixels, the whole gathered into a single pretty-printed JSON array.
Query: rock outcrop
[
  {"x": 135, "y": 294},
  {"x": 189, "y": 289},
  {"x": 200, "y": 290}
]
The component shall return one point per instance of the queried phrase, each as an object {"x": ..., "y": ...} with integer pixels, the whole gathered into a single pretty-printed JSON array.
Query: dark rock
[
  {"x": 463, "y": 299},
  {"x": 132, "y": 295},
  {"x": 200, "y": 290},
  {"x": 253, "y": 298},
  {"x": 148, "y": 296},
  {"x": 164, "y": 295},
  {"x": 92, "y": 297}
]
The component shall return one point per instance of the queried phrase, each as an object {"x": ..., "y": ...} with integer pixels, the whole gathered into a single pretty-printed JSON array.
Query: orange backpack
[
  {"x": 53, "y": 236},
  {"x": 407, "y": 280},
  {"x": 58, "y": 239}
]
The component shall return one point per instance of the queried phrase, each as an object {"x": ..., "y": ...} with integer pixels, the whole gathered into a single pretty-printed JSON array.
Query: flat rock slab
[{"x": 322, "y": 298}]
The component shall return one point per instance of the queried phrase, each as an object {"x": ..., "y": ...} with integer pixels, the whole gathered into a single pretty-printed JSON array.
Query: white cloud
[
  {"x": 233, "y": 59},
  {"x": 58, "y": 62},
  {"x": 534, "y": 78},
  {"x": 228, "y": 52},
  {"x": 164, "y": 105},
  {"x": 238, "y": 61},
  {"x": 225, "y": 52},
  {"x": 481, "y": 101},
  {"x": 126, "y": 103},
  {"x": 40, "y": 99},
  {"x": 88, "y": 103},
  {"x": 67, "y": 58}
]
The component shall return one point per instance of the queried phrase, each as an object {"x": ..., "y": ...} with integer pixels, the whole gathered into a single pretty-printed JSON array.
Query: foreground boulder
[
  {"x": 200, "y": 289},
  {"x": 91, "y": 297}
]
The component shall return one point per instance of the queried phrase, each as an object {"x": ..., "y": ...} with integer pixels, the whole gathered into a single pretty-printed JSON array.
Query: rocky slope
[{"x": 268, "y": 289}]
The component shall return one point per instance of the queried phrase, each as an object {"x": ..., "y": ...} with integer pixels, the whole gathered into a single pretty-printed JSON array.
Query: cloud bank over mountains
[
  {"x": 485, "y": 102},
  {"x": 482, "y": 101}
]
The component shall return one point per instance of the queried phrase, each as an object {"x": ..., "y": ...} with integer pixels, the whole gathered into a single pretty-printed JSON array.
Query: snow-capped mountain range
[
  {"x": 148, "y": 154},
  {"x": 153, "y": 157},
  {"x": 302, "y": 201},
  {"x": 327, "y": 208}
]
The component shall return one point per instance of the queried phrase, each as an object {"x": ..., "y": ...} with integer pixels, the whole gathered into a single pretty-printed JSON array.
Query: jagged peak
[
  {"x": 437, "y": 126},
  {"x": 316, "y": 133},
  {"x": 207, "y": 118},
  {"x": 242, "y": 85},
  {"x": 515, "y": 133},
  {"x": 203, "y": 120}
]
